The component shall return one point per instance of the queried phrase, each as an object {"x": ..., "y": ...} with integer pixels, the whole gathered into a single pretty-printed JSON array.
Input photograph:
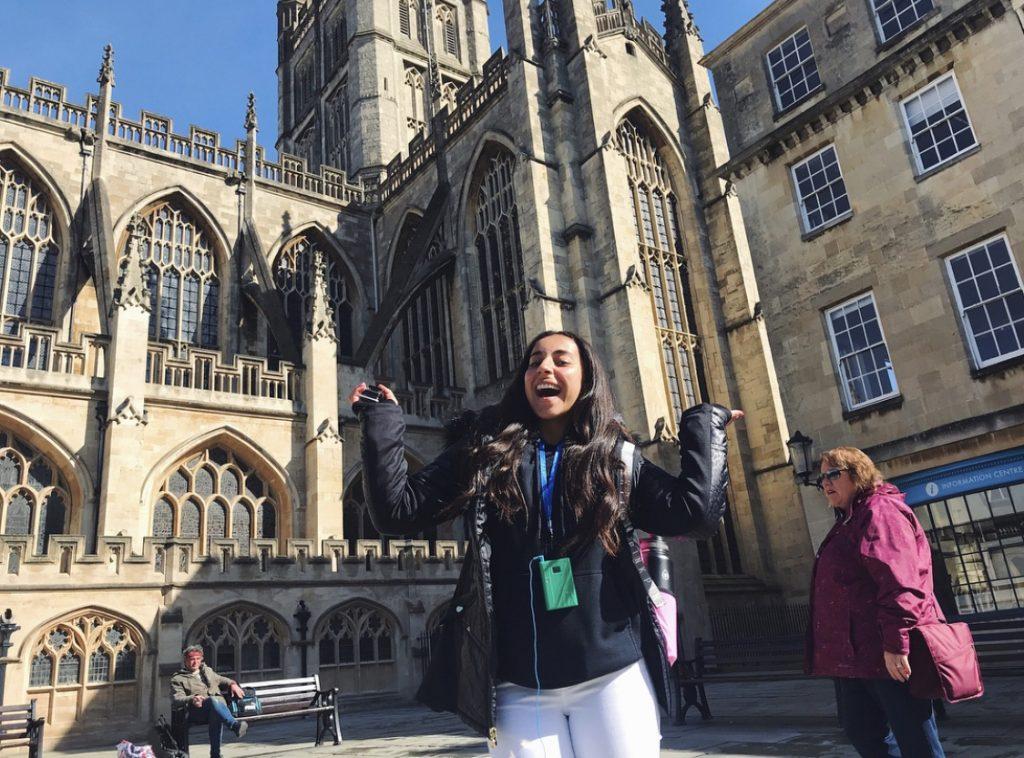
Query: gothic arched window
[
  {"x": 90, "y": 662},
  {"x": 293, "y": 274},
  {"x": 450, "y": 95},
  {"x": 409, "y": 19},
  {"x": 215, "y": 494},
  {"x": 242, "y": 642},
  {"x": 415, "y": 95},
  {"x": 184, "y": 288},
  {"x": 337, "y": 127},
  {"x": 29, "y": 251},
  {"x": 449, "y": 29},
  {"x": 500, "y": 260},
  {"x": 33, "y": 495},
  {"x": 357, "y": 644},
  {"x": 655, "y": 223}
]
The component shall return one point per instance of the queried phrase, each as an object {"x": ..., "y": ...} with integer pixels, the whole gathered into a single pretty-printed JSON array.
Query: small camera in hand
[{"x": 371, "y": 395}]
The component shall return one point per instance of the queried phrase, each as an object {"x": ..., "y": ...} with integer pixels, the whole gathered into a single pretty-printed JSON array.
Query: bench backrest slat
[
  {"x": 294, "y": 689},
  {"x": 311, "y": 680}
]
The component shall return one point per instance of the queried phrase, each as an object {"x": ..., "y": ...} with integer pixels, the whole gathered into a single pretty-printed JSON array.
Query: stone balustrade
[
  {"x": 619, "y": 19},
  {"x": 151, "y": 131},
  {"x": 198, "y": 369},
  {"x": 40, "y": 348}
]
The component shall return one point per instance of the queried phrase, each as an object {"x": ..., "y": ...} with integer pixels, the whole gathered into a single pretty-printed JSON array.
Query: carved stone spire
[
  {"x": 131, "y": 290},
  {"x": 251, "y": 124},
  {"x": 321, "y": 317},
  {"x": 107, "y": 67}
]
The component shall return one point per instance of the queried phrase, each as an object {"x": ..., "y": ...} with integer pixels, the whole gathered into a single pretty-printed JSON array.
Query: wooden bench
[
  {"x": 19, "y": 725},
  {"x": 770, "y": 660},
  {"x": 1000, "y": 646},
  {"x": 281, "y": 698}
]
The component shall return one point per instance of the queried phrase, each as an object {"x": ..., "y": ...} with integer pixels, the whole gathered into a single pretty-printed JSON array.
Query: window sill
[
  {"x": 788, "y": 111},
  {"x": 879, "y": 407},
  {"x": 951, "y": 162},
  {"x": 995, "y": 369},
  {"x": 808, "y": 236},
  {"x": 893, "y": 41}
]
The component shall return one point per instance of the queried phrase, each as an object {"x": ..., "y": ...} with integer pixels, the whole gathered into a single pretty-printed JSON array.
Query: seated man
[{"x": 196, "y": 689}]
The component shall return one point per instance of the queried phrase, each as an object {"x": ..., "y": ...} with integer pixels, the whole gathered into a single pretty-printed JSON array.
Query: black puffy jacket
[{"x": 461, "y": 677}]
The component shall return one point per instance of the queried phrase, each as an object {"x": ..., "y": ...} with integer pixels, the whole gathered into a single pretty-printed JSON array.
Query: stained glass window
[
  {"x": 217, "y": 491},
  {"x": 29, "y": 250},
  {"x": 654, "y": 209},
  {"x": 293, "y": 274},
  {"x": 33, "y": 495},
  {"x": 182, "y": 276},
  {"x": 500, "y": 260}
]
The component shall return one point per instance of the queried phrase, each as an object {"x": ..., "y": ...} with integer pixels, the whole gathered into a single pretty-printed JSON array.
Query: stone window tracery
[
  {"x": 655, "y": 224},
  {"x": 184, "y": 287},
  {"x": 197, "y": 497},
  {"x": 357, "y": 649},
  {"x": 337, "y": 127},
  {"x": 29, "y": 251},
  {"x": 450, "y": 95},
  {"x": 243, "y": 643},
  {"x": 415, "y": 93},
  {"x": 92, "y": 659},
  {"x": 448, "y": 23},
  {"x": 500, "y": 260},
  {"x": 34, "y": 497},
  {"x": 409, "y": 19},
  {"x": 293, "y": 274}
]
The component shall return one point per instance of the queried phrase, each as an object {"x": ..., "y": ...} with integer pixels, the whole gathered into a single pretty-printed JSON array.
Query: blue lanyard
[{"x": 547, "y": 482}]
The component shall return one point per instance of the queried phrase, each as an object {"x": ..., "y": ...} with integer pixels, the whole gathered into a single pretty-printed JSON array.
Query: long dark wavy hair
[{"x": 499, "y": 434}]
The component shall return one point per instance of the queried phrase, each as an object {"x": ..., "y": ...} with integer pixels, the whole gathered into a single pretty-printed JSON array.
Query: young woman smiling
[{"x": 540, "y": 482}]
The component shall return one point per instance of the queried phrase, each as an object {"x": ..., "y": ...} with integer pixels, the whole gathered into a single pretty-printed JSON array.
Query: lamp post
[
  {"x": 302, "y": 615},
  {"x": 7, "y": 628},
  {"x": 801, "y": 456}
]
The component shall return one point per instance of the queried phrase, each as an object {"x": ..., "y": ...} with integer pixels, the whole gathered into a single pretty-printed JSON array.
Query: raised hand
[{"x": 385, "y": 392}]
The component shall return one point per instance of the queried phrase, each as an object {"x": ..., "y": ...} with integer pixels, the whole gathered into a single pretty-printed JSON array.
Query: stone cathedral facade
[{"x": 181, "y": 319}]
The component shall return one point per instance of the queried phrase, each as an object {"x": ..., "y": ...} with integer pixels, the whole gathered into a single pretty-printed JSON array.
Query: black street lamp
[
  {"x": 7, "y": 628},
  {"x": 801, "y": 456}
]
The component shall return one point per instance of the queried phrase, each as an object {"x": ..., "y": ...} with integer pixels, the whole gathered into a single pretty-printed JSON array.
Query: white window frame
[
  {"x": 775, "y": 82},
  {"x": 878, "y": 21},
  {"x": 844, "y": 381},
  {"x": 965, "y": 324},
  {"x": 804, "y": 220},
  {"x": 918, "y": 164}
]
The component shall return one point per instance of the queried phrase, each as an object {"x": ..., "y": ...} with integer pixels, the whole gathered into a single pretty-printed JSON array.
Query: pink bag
[
  {"x": 944, "y": 663},
  {"x": 664, "y": 611}
]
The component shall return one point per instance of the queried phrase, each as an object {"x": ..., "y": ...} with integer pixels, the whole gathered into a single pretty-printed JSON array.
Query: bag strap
[{"x": 627, "y": 453}]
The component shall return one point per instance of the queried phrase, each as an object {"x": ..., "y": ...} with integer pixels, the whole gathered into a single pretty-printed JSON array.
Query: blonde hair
[{"x": 865, "y": 475}]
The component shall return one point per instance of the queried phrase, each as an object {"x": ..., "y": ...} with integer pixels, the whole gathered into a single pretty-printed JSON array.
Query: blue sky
[{"x": 195, "y": 60}]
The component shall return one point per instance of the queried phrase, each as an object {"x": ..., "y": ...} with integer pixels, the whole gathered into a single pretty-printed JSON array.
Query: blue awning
[{"x": 985, "y": 472}]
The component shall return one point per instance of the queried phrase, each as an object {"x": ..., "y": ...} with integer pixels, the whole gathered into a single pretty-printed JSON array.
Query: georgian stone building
[
  {"x": 876, "y": 153},
  {"x": 181, "y": 318}
]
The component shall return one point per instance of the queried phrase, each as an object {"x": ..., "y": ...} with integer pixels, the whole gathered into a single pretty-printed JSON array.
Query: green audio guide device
[{"x": 559, "y": 588}]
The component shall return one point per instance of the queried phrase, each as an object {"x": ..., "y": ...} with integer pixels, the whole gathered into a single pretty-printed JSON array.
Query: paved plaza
[{"x": 774, "y": 719}]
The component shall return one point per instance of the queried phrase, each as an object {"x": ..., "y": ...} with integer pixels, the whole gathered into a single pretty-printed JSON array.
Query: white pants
[{"x": 613, "y": 716}]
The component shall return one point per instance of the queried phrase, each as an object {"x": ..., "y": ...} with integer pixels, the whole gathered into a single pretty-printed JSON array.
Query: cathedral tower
[{"x": 359, "y": 79}]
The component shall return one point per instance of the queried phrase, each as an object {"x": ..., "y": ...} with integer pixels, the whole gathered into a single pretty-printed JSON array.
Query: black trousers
[{"x": 883, "y": 720}]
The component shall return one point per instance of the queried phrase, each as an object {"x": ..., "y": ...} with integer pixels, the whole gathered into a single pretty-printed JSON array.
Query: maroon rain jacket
[{"x": 872, "y": 582}]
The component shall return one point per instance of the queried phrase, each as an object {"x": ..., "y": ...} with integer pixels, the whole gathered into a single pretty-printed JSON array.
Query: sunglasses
[{"x": 832, "y": 474}]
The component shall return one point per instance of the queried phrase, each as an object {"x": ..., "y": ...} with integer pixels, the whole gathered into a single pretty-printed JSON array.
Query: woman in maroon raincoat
[{"x": 872, "y": 583}]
